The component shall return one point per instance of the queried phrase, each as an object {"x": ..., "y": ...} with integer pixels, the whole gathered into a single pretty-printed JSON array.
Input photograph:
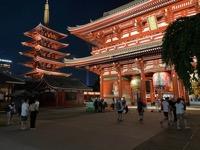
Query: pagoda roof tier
[
  {"x": 134, "y": 51},
  {"x": 50, "y": 61},
  {"x": 120, "y": 14},
  {"x": 34, "y": 52},
  {"x": 40, "y": 72},
  {"x": 40, "y": 60},
  {"x": 30, "y": 64},
  {"x": 41, "y": 40},
  {"x": 43, "y": 30}
]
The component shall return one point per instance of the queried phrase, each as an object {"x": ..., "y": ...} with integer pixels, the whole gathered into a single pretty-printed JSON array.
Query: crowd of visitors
[
  {"x": 28, "y": 108},
  {"x": 99, "y": 105},
  {"x": 174, "y": 112}
]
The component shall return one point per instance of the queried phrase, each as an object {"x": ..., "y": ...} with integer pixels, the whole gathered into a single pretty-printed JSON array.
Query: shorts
[
  {"x": 180, "y": 116},
  {"x": 23, "y": 118},
  {"x": 141, "y": 113},
  {"x": 120, "y": 112},
  {"x": 166, "y": 115}
]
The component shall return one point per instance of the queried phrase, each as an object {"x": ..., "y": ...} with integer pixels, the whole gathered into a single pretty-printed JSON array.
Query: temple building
[
  {"x": 53, "y": 88},
  {"x": 126, "y": 50}
]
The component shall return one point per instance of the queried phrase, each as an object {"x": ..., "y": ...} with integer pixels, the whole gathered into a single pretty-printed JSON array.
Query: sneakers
[
  {"x": 120, "y": 120},
  {"x": 187, "y": 127}
]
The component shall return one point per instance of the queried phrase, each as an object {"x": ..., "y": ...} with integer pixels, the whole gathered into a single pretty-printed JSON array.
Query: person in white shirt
[
  {"x": 37, "y": 104},
  {"x": 24, "y": 113},
  {"x": 164, "y": 108},
  {"x": 157, "y": 104},
  {"x": 180, "y": 114}
]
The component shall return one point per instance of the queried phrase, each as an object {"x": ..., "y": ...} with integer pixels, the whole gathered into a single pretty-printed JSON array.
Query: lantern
[
  {"x": 162, "y": 81},
  {"x": 135, "y": 83}
]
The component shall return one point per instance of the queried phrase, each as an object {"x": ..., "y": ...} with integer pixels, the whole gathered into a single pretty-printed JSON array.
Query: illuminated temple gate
[{"x": 127, "y": 42}]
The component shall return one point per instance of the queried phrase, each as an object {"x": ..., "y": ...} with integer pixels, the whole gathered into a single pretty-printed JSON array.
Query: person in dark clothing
[
  {"x": 96, "y": 105},
  {"x": 33, "y": 114},
  {"x": 113, "y": 104},
  {"x": 140, "y": 109},
  {"x": 174, "y": 111}
]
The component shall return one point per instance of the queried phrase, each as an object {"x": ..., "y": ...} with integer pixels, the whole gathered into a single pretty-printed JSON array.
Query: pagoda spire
[{"x": 46, "y": 13}]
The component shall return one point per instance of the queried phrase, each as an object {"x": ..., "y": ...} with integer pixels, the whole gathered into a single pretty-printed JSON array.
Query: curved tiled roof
[
  {"x": 5, "y": 78},
  {"x": 113, "y": 54},
  {"x": 126, "y": 12},
  {"x": 60, "y": 82},
  {"x": 43, "y": 26},
  {"x": 124, "y": 7}
]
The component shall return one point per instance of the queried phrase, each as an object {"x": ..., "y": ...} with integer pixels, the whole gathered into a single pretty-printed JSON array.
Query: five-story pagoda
[{"x": 44, "y": 52}]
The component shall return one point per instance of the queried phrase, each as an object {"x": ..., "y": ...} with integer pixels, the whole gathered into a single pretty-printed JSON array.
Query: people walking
[
  {"x": 11, "y": 110},
  {"x": 99, "y": 105},
  {"x": 33, "y": 114},
  {"x": 140, "y": 109},
  {"x": 24, "y": 113},
  {"x": 170, "y": 110},
  {"x": 95, "y": 104},
  {"x": 120, "y": 108},
  {"x": 180, "y": 114},
  {"x": 165, "y": 108},
  {"x": 157, "y": 104},
  {"x": 123, "y": 101},
  {"x": 37, "y": 104},
  {"x": 104, "y": 105},
  {"x": 113, "y": 104}
]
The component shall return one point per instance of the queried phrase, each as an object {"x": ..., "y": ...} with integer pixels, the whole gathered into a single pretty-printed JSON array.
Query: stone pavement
[{"x": 76, "y": 129}]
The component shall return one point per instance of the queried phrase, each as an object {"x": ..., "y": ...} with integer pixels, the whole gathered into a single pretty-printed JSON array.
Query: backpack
[{"x": 118, "y": 105}]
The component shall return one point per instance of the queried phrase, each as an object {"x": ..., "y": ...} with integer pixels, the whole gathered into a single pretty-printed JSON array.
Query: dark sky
[{"x": 19, "y": 16}]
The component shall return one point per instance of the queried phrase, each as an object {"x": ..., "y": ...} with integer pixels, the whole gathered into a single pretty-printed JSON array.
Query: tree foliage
[{"x": 181, "y": 42}]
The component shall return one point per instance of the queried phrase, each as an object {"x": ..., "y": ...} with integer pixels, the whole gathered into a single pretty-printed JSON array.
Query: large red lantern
[
  {"x": 135, "y": 83},
  {"x": 162, "y": 81}
]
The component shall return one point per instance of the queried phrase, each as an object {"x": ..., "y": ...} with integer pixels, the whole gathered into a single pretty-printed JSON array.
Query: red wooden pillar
[
  {"x": 181, "y": 89},
  {"x": 175, "y": 84},
  {"x": 101, "y": 84},
  {"x": 143, "y": 85},
  {"x": 120, "y": 81},
  {"x": 186, "y": 93},
  {"x": 152, "y": 95}
]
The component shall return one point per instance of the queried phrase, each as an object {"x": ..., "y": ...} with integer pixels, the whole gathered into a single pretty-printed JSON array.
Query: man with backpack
[
  {"x": 120, "y": 108},
  {"x": 140, "y": 109}
]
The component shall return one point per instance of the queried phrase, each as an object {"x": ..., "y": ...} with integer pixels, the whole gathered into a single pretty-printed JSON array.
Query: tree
[{"x": 181, "y": 42}]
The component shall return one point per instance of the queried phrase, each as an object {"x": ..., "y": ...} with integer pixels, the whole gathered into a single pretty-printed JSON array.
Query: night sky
[{"x": 19, "y": 16}]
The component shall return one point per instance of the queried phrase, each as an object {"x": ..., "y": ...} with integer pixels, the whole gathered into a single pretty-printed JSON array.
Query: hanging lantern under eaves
[
  {"x": 162, "y": 81},
  {"x": 135, "y": 83}
]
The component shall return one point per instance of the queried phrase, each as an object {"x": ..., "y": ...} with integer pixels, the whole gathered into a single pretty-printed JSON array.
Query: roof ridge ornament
[{"x": 46, "y": 13}]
